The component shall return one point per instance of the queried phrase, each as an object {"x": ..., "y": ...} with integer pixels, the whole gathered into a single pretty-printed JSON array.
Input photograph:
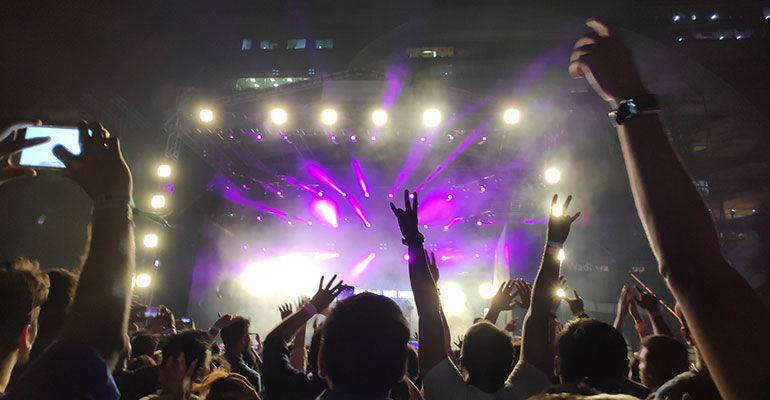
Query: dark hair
[
  {"x": 589, "y": 348},
  {"x": 23, "y": 288},
  {"x": 666, "y": 358},
  {"x": 487, "y": 355},
  {"x": 60, "y": 297},
  {"x": 194, "y": 344},
  {"x": 143, "y": 344},
  {"x": 364, "y": 344},
  {"x": 231, "y": 386},
  {"x": 234, "y": 333},
  {"x": 140, "y": 362}
]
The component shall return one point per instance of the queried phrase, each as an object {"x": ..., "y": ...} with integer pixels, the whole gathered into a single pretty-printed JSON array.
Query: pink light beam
[
  {"x": 359, "y": 268},
  {"x": 360, "y": 177},
  {"x": 326, "y": 211}
]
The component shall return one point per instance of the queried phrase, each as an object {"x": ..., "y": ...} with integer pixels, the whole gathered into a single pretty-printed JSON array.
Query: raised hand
[
  {"x": 647, "y": 301},
  {"x": 224, "y": 321},
  {"x": 136, "y": 314},
  {"x": 512, "y": 325},
  {"x": 8, "y": 147},
  {"x": 100, "y": 168},
  {"x": 432, "y": 266},
  {"x": 624, "y": 300},
  {"x": 459, "y": 342},
  {"x": 503, "y": 299},
  {"x": 407, "y": 218},
  {"x": 301, "y": 301},
  {"x": 606, "y": 63},
  {"x": 325, "y": 296},
  {"x": 559, "y": 221},
  {"x": 575, "y": 304},
  {"x": 524, "y": 289},
  {"x": 285, "y": 310}
]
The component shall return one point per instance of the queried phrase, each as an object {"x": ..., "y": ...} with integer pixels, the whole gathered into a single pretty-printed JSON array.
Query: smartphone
[
  {"x": 415, "y": 344},
  {"x": 346, "y": 292},
  {"x": 41, "y": 156},
  {"x": 151, "y": 312}
]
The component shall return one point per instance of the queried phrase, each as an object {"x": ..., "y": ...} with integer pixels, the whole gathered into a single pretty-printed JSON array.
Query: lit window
[
  {"x": 295, "y": 44},
  {"x": 267, "y": 45},
  {"x": 311, "y": 71},
  {"x": 276, "y": 72},
  {"x": 246, "y": 45},
  {"x": 324, "y": 44},
  {"x": 430, "y": 52}
]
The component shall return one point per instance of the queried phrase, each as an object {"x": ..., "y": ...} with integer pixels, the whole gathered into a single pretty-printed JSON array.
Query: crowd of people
[{"x": 79, "y": 336}]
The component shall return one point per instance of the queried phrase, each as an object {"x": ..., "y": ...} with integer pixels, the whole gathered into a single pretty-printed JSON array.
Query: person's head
[
  {"x": 364, "y": 345},
  {"x": 593, "y": 350},
  {"x": 235, "y": 337},
  {"x": 660, "y": 359},
  {"x": 140, "y": 362},
  {"x": 60, "y": 296},
  {"x": 23, "y": 289},
  {"x": 194, "y": 345},
  {"x": 221, "y": 385},
  {"x": 487, "y": 356},
  {"x": 143, "y": 344}
]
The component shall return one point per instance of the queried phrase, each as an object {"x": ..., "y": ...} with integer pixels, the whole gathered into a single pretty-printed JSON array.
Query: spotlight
[
  {"x": 333, "y": 138},
  {"x": 511, "y": 116},
  {"x": 431, "y": 117},
  {"x": 406, "y": 257},
  {"x": 453, "y": 298},
  {"x": 353, "y": 138},
  {"x": 693, "y": 17},
  {"x": 483, "y": 189},
  {"x": 259, "y": 137},
  {"x": 279, "y": 116},
  {"x": 150, "y": 240},
  {"x": 158, "y": 201},
  {"x": 373, "y": 138},
  {"x": 164, "y": 170},
  {"x": 560, "y": 292},
  {"x": 677, "y": 17},
  {"x": 380, "y": 117},
  {"x": 487, "y": 291},
  {"x": 328, "y": 116},
  {"x": 714, "y": 17},
  {"x": 552, "y": 175},
  {"x": 206, "y": 115},
  {"x": 561, "y": 256},
  {"x": 143, "y": 280},
  {"x": 557, "y": 210},
  {"x": 479, "y": 223}
]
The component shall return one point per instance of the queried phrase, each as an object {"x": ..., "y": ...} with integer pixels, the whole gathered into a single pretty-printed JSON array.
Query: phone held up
[{"x": 41, "y": 156}]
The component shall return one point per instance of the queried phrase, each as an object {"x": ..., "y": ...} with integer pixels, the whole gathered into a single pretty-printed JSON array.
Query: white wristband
[{"x": 310, "y": 308}]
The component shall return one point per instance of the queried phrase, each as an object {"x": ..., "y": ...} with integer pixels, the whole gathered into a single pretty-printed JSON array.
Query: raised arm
[
  {"x": 432, "y": 349},
  {"x": 620, "y": 317},
  {"x": 433, "y": 267},
  {"x": 650, "y": 304},
  {"x": 534, "y": 343},
  {"x": 641, "y": 327},
  {"x": 298, "y": 357},
  {"x": 719, "y": 306},
  {"x": 104, "y": 288},
  {"x": 288, "y": 328},
  {"x": 502, "y": 301}
]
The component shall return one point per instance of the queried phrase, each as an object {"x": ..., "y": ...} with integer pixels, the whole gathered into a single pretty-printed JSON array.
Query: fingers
[
  {"x": 407, "y": 205},
  {"x": 566, "y": 204},
  {"x": 588, "y": 39},
  {"x": 554, "y": 200},
  {"x": 98, "y": 133},
  {"x": 338, "y": 289},
  {"x": 414, "y": 202},
  {"x": 12, "y": 147},
  {"x": 10, "y": 127},
  {"x": 433, "y": 258},
  {"x": 321, "y": 284},
  {"x": 576, "y": 294},
  {"x": 15, "y": 172},
  {"x": 83, "y": 136},
  {"x": 599, "y": 26},
  {"x": 395, "y": 210},
  {"x": 64, "y": 155},
  {"x": 574, "y": 217},
  {"x": 502, "y": 288},
  {"x": 331, "y": 282}
]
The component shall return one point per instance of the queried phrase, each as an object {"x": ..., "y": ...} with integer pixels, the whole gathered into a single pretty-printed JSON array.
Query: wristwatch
[{"x": 634, "y": 106}]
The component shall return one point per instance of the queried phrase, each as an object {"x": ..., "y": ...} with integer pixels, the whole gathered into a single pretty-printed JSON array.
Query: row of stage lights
[{"x": 431, "y": 117}]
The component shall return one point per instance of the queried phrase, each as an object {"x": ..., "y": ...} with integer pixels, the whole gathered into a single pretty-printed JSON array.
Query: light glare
[
  {"x": 328, "y": 116},
  {"x": 552, "y": 175},
  {"x": 279, "y": 116},
  {"x": 150, "y": 240},
  {"x": 206, "y": 115},
  {"x": 452, "y": 298},
  {"x": 164, "y": 170},
  {"x": 560, "y": 292},
  {"x": 487, "y": 290},
  {"x": 143, "y": 280},
  {"x": 380, "y": 118},
  {"x": 431, "y": 117},
  {"x": 557, "y": 210},
  {"x": 561, "y": 256},
  {"x": 158, "y": 201},
  {"x": 511, "y": 116}
]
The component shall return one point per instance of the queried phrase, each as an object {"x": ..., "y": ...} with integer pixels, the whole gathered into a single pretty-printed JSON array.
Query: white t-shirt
[{"x": 444, "y": 382}]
